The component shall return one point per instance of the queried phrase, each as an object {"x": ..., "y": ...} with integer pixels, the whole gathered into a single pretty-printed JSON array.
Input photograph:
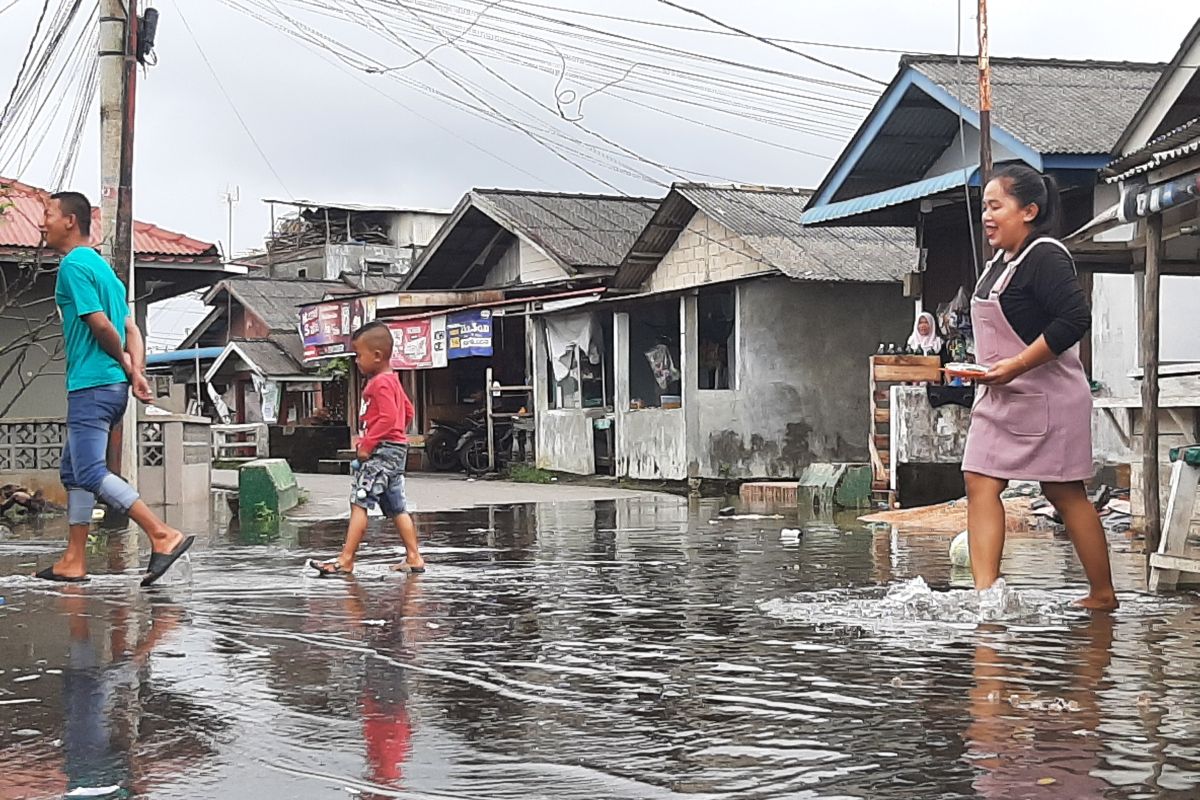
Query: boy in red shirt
[{"x": 382, "y": 454}]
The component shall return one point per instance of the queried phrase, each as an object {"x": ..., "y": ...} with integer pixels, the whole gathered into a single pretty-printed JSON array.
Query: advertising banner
[
  {"x": 326, "y": 327},
  {"x": 419, "y": 343},
  {"x": 469, "y": 333}
]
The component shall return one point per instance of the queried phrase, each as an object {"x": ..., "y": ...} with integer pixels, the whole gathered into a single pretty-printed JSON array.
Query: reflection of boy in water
[{"x": 386, "y": 726}]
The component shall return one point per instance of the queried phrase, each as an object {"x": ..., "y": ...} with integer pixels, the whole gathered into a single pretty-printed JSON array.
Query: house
[
  {"x": 1148, "y": 203},
  {"x": 351, "y": 241},
  {"x": 732, "y": 343},
  {"x": 513, "y": 251},
  {"x": 913, "y": 162},
  {"x": 166, "y": 264},
  {"x": 259, "y": 376}
]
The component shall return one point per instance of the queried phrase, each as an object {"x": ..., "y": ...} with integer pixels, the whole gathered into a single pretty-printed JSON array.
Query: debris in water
[
  {"x": 789, "y": 535},
  {"x": 1046, "y": 781},
  {"x": 727, "y": 511},
  {"x": 93, "y": 791}
]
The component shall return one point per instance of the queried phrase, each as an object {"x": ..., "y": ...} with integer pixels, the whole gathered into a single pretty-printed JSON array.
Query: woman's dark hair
[{"x": 1030, "y": 187}]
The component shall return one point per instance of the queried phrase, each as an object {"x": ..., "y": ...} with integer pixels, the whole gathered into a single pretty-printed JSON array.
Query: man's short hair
[
  {"x": 376, "y": 335},
  {"x": 76, "y": 204}
]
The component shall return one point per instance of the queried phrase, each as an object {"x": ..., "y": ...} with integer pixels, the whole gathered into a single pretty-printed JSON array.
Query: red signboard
[{"x": 419, "y": 343}]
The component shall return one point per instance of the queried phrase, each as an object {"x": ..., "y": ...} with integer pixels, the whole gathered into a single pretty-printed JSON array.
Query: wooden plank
[
  {"x": 905, "y": 361},
  {"x": 1180, "y": 507},
  {"x": 912, "y": 374},
  {"x": 1161, "y": 561},
  {"x": 883, "y": 416},
  {"x": 883, "y": 441},
  {"x": 1150, "y": 326}
]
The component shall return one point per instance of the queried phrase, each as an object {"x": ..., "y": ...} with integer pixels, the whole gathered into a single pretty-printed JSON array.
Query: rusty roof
[{"x": 21, "y": 219}]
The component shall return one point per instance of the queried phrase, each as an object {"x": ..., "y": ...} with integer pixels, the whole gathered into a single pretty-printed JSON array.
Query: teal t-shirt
[{"x": 87, "y": 284}]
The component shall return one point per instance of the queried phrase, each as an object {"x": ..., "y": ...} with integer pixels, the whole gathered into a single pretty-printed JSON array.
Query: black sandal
[
  {"x": 161, "y": 562},
  {"x": 329, "y": 569},
  {"x": 48, "y": 574}
]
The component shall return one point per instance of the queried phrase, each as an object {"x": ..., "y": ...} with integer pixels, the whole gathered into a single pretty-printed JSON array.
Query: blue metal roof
[
  {"x": 890, "y": 197},
  {"x": 176, "y": 356}
]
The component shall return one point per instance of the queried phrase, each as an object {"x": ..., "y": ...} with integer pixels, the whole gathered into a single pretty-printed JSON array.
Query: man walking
[{"x": 105, "y": 355}]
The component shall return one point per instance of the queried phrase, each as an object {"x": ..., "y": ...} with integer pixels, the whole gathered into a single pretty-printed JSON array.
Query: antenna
[{"x": 231, "y": 197}]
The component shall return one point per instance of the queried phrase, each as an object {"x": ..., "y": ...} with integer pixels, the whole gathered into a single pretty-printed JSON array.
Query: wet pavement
[{"x": 613, "y": 649}]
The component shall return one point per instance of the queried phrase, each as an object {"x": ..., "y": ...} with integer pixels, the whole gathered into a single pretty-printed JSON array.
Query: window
[
  {"x": 716, "y": 338},
  {"x": 377, "y": 267},
  {"x": 302, "y": 272},
  {"x": 654, "y": 356}
]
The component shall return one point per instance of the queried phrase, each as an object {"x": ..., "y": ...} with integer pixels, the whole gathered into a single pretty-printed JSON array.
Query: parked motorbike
[
  {"x": 473, "y": 448},
  {"x": 441, "y": 445}
]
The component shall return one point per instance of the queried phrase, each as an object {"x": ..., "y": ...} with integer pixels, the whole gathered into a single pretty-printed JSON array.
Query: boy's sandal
[
  {"x": 408, "y": 569},
  {"x": 328, "y": 569}
]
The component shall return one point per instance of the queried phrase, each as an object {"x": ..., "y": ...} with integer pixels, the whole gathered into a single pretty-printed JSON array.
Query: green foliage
[{"x": 523, "y": 473}]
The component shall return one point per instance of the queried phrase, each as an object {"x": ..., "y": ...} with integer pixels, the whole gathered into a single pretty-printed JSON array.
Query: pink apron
[{"x": 1039, "y": 427}]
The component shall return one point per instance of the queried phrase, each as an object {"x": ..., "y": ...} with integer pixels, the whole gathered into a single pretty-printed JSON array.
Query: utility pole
[
  {"x": 231, "y": 198},
  {"x": 118, "y": 88},
  {"x": 985, "y": 98}
]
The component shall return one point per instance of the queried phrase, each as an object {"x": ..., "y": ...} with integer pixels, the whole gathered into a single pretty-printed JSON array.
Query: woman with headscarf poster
[{"x": 1033, "y": 418}]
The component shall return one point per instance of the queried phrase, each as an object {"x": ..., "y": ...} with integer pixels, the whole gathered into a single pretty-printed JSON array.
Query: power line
[
  {"x": 241, "y": 120},
  {"x": 770, "y": 42},
  {"x": 710, "y": 31}
]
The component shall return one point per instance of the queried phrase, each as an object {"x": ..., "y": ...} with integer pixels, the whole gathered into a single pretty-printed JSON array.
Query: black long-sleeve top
[{"x": 1044, "y": 297}]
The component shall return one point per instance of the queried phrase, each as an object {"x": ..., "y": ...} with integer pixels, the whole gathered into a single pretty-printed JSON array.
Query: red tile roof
[{"x": 21, "y": 219}]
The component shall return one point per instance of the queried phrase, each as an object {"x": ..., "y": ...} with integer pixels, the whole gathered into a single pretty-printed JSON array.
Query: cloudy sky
[{"x": 330, "y": 100}]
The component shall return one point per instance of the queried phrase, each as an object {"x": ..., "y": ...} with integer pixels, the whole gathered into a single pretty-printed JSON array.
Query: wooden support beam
[{"x": 1150, "y": 328}]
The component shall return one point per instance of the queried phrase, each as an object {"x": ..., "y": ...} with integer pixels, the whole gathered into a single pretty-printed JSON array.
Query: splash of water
[{"x": 914, "y": 601}]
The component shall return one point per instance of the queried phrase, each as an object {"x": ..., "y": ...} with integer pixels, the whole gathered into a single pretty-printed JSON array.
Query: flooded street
[{"x": 627, "y": 649}]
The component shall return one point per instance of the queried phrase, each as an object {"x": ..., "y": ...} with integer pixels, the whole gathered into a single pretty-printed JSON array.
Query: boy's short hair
[
  {"x": 377, "y": 336},
  {"x": 77, "y": 205}
]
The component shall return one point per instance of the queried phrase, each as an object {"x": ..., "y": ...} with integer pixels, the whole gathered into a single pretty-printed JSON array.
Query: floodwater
[{"x": 592, "y": 650}]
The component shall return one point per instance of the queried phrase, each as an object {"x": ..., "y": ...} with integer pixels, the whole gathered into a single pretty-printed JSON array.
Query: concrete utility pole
[
  {"x": 231, "y": 197},
  {"x": 118, "y": 85}
]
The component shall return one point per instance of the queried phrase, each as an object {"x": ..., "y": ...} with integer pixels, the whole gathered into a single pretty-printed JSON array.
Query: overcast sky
[{"x": 332, "y": 132}]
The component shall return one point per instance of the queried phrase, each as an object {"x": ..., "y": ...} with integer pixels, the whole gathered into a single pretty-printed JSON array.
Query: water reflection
[
  {"x": 1030, "y": 742},
  {"x": 606, "y": 650},
  {"x": 97, "y": 722}
]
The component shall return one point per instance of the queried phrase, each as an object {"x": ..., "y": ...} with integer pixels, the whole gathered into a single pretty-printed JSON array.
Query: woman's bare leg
[
  {"x": 985, "y": 521},
  {"x": 1087, "y": 534}
]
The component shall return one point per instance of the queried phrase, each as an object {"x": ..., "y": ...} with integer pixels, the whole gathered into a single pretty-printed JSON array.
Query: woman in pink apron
[{"x": 1032, "y": 418}]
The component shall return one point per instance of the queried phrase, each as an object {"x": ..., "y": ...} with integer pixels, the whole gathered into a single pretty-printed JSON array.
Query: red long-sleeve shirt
[{"x": 386, "y": 412}]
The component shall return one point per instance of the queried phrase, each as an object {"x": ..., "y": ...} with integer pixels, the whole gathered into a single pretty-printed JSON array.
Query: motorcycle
[
  {"x": 473, "y": 448},
  {"x": 441, "y": 445}
]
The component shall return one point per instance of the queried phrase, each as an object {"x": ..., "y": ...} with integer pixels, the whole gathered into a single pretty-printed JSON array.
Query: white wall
[
  {"x": 536, "y": 267},
  {"x": 507, "y": 271},
  {"x": 952, "y": 158}
]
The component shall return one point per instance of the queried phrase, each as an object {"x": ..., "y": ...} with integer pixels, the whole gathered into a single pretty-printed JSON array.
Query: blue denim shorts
[{"x": 380, "y": 481}]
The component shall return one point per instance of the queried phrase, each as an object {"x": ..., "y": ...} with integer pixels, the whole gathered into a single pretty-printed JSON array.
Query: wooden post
[
  {"x": 985, "y": 99},
  {"x": 1150, "y": 310},
  {"x": 491, "y": 439}
]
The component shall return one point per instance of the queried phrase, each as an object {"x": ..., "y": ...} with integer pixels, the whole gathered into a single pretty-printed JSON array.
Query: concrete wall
[
  {"x": 802, "y": 388},
  {"x": 565, "y": 442},
  {"x": 651, "y": 444},
  {"x": 705, "y": 252}
]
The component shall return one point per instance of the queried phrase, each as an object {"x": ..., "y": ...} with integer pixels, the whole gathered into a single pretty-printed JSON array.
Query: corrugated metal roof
[
  {"x": 579, "y": 230},
  {"x": 277, "y": 301},
  {"x": 769, "y": 221},
  {"x": 177, "y": 356},
  {"x": 1169, "y": 147},
  {"x": 20, "y": 226},
  {"x": 1053, "y": 106},
  {"x": 887, "y": 198},
  {"x": 269, "y": 357}
]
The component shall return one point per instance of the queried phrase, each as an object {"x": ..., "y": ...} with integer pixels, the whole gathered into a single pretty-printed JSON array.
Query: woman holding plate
[{"x": 1032, "y": 419}]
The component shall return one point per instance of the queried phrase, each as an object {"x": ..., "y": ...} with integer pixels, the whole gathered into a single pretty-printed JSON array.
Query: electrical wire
[
  {"x": 770, "y": 42},
  {"x": 233, "y": 106}
]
